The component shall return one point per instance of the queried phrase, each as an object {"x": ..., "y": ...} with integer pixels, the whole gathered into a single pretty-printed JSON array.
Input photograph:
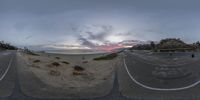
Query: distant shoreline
[{"x": 75, "y": 52}]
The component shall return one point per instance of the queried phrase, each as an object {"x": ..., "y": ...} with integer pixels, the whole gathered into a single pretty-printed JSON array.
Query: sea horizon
[{"x": 77, "y": 51}]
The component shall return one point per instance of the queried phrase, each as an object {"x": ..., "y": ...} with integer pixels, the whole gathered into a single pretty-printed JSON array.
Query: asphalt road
[
  {"x": 7, "y": 73},
  {"x": 124, "y": 87},
  {"x": 137, "y": 79},
  {"x": 162, "y": 76},
  {"x": 10, "y": 87},
  {"x": 6, "y": 58}
]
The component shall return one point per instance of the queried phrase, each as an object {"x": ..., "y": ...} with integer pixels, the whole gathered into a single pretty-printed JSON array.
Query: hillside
[
  {"x": 172, "y": 43},
  {"x": 168, "y": 44},
  {"x": 6, "y": 46}
]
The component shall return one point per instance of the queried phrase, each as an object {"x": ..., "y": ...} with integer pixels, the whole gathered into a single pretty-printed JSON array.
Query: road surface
[
  {"x": 124, "y": 87},
  {"x": 10, "y": 85},
  {"x": 162, "y": 77},
  {"x": 141, "y": 78}
]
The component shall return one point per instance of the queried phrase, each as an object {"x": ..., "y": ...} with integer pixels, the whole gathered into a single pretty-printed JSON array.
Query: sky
[{"x": 96, "y": 24}]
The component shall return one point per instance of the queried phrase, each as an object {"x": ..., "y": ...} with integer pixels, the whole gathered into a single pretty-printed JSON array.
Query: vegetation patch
[
  {"x": 54, "y": 73},
  {"x": 107, "y": 57},
  {"x": 7, "y": 46},
  {"x": 85, "y": 62},
  {"x": 57, "y": 58},
  {"x": 78, "y": 68},
  {"x": 168, "y": 45},
  {"x": 27, "y": 51},
  {"x": 78, "y": 73},
  {"x": 55, "y": 64},
  {"x": 36, "y": 61},
  {"x": 64, "y": 62}
]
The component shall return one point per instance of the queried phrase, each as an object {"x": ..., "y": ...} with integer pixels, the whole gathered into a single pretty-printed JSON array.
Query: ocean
[{"x": 77, "y": 51}]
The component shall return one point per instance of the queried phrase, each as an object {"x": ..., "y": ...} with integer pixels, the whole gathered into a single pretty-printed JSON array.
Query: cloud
[
  {"x": 28, "y": 37},
  {"x": 93, "y": 36},
  {"x": 99, "y": 22},
  {"x": 105, "y": 30},
  {"x": 87, "y": 43}
]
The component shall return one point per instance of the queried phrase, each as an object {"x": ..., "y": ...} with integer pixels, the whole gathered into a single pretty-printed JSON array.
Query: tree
[
  {"x": 152, "y": 45},
  {"x": 7, "y": 46},
  {"x": 198, "y": 43}
]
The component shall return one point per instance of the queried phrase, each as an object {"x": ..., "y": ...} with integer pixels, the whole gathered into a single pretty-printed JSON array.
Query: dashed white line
[{"x": 158, "y": 89}]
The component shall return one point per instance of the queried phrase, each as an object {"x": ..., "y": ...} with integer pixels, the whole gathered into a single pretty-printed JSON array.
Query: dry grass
[{"x": 78, "y": 73}]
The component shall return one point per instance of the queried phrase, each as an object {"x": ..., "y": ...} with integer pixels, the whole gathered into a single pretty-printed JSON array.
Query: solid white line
[
  {"x": 159, "y": 89},
  {"x": 10, "y": 62}
]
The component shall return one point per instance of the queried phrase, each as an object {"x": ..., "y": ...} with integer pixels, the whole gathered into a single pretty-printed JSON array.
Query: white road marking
[
  {"x": 10, "y": 62},
  {"x": 146, "y": 62},
  {"x": 158, "y": 89}
]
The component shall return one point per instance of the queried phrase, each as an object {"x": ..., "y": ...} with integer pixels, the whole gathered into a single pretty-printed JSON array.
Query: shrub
[
  {"x": 107, "y": 57},
  {"x": 78, "y": 68},
  {"x": 57, "y": 57},
  {"x": 36, "y": 61},
  {"x": 7, "y": 46},
  {"x": 27, "y": 51},
  {"x": 55, "y": 64},
  {"x": 65, "y": 62}
]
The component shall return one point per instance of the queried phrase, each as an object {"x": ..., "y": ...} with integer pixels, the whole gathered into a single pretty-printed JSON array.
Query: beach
[{"x": 63, "y": 75}]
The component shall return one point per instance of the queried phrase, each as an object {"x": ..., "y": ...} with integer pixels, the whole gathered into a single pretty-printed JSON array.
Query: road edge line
[{"x": 158, "y": 89}]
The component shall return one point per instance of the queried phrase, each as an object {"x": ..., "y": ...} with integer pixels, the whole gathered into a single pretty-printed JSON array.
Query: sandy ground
[{"x": 95, "y": 72}]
